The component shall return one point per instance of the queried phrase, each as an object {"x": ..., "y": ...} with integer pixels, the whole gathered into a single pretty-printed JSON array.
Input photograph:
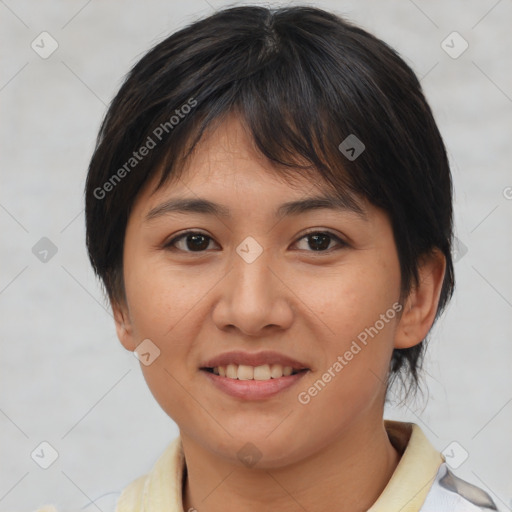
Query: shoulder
[{"x": 451, "y": 493}]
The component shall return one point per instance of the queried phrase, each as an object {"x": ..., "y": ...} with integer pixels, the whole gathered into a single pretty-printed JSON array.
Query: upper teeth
[{"x": 245, "y": 372}]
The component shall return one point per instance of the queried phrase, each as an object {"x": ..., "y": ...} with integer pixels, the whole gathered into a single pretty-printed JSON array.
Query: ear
[
  {"x": 124, "y": 326},
  {"x": 421, "y": 305}
]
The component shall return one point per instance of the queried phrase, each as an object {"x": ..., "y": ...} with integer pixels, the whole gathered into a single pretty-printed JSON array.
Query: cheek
[
  {"x": 160, "y": 296},
  {"x": 353, "y": 379},
  {"x": 162, "y": 302},
  {"x": 353, "y": 297},
  {"x": 359, "y": 309}
]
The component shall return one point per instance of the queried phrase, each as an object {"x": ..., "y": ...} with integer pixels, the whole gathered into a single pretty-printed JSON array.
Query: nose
[{"x": 254, "y": 298}]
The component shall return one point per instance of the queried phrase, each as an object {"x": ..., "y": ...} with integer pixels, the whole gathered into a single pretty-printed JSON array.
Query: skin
[{"x": 294, "y": 299}]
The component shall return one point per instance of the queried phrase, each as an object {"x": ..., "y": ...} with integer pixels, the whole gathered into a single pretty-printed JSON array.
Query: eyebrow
[{"x": 291, "y": 208}]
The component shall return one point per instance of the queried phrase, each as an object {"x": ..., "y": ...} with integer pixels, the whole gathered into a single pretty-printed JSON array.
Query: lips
[
  {"x": 238, "y": 357},
  {"x": 254, "y": 389}
]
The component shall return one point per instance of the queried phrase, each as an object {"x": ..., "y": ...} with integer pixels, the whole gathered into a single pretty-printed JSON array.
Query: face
[{"x": 320, "y": 286}]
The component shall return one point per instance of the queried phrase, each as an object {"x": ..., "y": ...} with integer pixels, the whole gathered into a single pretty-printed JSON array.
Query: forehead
[
  {"x": 227, "y": 153},
  {"x": 226, "y": 168}
]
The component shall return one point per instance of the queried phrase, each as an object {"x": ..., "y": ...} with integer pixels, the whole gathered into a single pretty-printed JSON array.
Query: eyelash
[{"x": 171, "y": 244}]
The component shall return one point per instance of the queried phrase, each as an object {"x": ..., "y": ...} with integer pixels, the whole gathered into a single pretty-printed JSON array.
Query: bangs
[{"x": 287, "y": 110}]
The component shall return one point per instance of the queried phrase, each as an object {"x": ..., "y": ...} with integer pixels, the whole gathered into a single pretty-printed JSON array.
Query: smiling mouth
[{"x": 246, "y": 372}]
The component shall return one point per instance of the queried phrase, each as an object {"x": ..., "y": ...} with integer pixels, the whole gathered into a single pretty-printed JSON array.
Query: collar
[
  {"x": 412, "y": 479},
  {"x": 406, "y": 491}
]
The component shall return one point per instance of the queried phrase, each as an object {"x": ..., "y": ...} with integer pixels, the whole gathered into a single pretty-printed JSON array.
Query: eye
[
  {"x": 321, "y": 240},
  {"x": 195, "y": 241}
]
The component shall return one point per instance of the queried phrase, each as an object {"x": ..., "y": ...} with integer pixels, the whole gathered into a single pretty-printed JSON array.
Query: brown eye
[
  {"x": 320, "y": 241},
  {"x": 193, "y": 241}
]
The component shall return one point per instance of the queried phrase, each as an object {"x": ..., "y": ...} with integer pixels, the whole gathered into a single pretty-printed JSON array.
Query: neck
[{"x": 350, "y": 472}]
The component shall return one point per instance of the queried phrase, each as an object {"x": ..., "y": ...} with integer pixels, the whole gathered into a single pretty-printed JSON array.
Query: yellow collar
[
  {"x": 406, "y": 491},
  {"x": 409, "y": 485}
]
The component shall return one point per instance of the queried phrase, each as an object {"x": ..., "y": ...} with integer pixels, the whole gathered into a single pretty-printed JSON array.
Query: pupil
[
  {"x": 320, "y": 236},
  {"x": 196, "y": 244}
]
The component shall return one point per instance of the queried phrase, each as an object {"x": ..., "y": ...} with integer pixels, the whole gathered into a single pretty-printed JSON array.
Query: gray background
[{"x": 66, "y": 379}]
